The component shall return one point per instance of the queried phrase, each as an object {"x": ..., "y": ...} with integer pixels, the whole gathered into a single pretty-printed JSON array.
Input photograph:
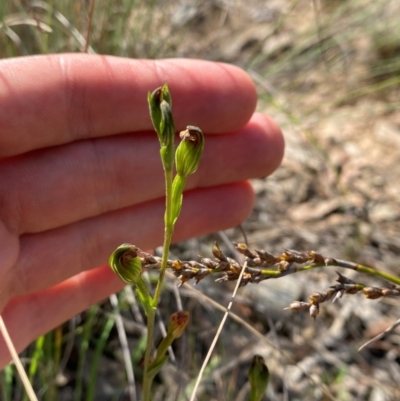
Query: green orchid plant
[{"x": 125, "y": 261}]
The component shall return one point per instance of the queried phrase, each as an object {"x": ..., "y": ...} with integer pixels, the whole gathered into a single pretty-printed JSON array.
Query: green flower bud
[
  {"x": 189, "y": 151},
  {"x": 124, "y": 262},
  {"x": 160, "y": 106},
  {"x": 154, "y": 99},
  {"x": 177, "y": 324},
  {"x": 258, "y": 378}
]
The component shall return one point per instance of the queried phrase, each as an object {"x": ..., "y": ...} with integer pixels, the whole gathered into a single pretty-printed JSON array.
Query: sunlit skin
[{"x": 80, "y": 173}]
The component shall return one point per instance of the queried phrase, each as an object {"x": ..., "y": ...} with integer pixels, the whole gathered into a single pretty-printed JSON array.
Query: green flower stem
[
  {"x": 147, "y": 380},
  {"x": 161, "y": 116},
  {"x": 169, "y": 229}
]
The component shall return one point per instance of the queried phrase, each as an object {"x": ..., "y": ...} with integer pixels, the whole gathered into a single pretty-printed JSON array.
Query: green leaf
[
  {"x": 258, "y": 378},
  {"x": 145, "y": 299},
  {"x": 156, "y": 366},
  {"x": 178, "y": 186}
]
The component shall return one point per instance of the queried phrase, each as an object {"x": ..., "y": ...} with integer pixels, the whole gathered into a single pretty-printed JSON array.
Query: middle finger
[{"x": 46, "y": 189}]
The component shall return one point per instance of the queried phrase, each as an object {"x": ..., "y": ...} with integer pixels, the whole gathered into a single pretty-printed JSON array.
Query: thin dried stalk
[
  {"x": 261, "y": 265},
  {"x": 380, "y": 335},
  {"x": 22, "y": 374}
]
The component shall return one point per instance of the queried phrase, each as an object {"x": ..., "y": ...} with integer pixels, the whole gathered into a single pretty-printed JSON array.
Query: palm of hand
[{"x": 80, "y": 173}]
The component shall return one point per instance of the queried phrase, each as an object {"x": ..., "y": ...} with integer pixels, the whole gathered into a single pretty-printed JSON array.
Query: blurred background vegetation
[{"x": 328, "y": 72}]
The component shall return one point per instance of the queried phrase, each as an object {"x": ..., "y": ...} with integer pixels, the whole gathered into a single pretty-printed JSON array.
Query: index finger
[{"x": 52, "y": 100}]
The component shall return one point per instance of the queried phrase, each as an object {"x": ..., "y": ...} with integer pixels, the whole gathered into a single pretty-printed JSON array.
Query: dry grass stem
[
  {"x": 217, "y": 334},
  {"x": 381, "y": 335},
  {"x": 22, "y": 374},
  {"x": 261, "y": 265}
]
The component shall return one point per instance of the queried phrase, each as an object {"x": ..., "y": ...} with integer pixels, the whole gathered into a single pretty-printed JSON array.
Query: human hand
[{"x": 80, "y": 173}]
